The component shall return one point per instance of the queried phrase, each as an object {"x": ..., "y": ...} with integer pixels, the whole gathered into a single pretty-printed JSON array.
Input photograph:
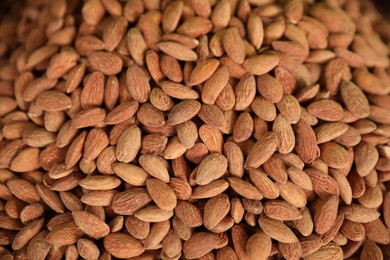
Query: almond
[
  {"x": 259, "y": 246},
  {"x": 366, "y": 156},
  {"x": 262, "y": 150},
  {"x": 183, "y": 112},
  {"x": 215, "y": 210},
  {"x": 90, "y": 224},
  {"x": 211, "y": 168},
  {"x": 188, "y": 214},
  {"x": 178, "y": 51},
  {"x": 280, "y": 210},
  {"x": 261, "y": 64},
  {"x": 277, "y": 230},
  {"x": 161, "y": 194},
  {"x": 131, "y": 135},
  {"x": 122, "y": 246},
  {"x": 244, "y": 188},
  {"x": 153, "y": 214},
  {"x": 323, "y": 184},
  {"x": 260, "y": 180},
  {"x": 200, "y": 244},
  {"x": 138, "y": 197}
]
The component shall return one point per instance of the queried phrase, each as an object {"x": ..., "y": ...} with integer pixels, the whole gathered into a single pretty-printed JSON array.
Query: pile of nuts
[{"x": 194, "y": 129}]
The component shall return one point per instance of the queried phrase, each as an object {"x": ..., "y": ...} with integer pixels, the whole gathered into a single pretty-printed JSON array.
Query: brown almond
[
  {"x": 327, "y": 110},
  {"x": 215, "y": 210},
  {"x": 66, "y": 233},
  {"x": 161, "y": 194},
  {"x": 100, "y": 182},
  {"x": 188, "y": 213},
  {"x": 155, "y": 166},
  {"x": 326, "y": 214},
  {"x": 107, "y": 63},
  {"x": 171, "y": 16},
  {"x": 371, "y": 251},
  {"x": 264, "y": 184},
  {"x": 23, "y": 190},
  {"x": 131, "y": 135},
  {"x": 90, "y": 224},
  {"x": 293, "y": 194},
  {"x": 27, "y": 233},
  {"x": 137, "y": 83},
  {"x": 153, "y": 214},
  {"x": 53, "y": 101},
  {"x": 366, "y": 157},
  {"x": 183, "y": 112},
  {"x": 281, "y": 210},
  {"x": 200, "y": 244},
  {"x": 329, "y": 251},
  {"x": 210, "y": 190},
  {"x": 354, "y": 99},
  {"x": 261, "y": 151},
  {"x": 244, "y": 188},
  {"x": 214, "y": 85},
  {"x": 245, "y": 92},
  {"x": 359, "y": 213},
  {"x": 305, "y": 142},
  {"x": 138, "y": 197},
  {"x": 261, "y": 64},
  {"x": 259, "y": 246},
  {"x": 122, "y": 246},
  {"x": 137, "y": 228},
  {"x": 203, "y": 71},
  {"x": 87, "y": 249},
  {"x": 334, "y": 155},
  {"x": 88, "y": 117},
  {"x": 277, "y": 230},
  {"x": 270, "y": 88},
  {"x": 130, "y": 173},
  {"x": 178, "y": 51},
  {"x": 50, "y": 198},
  {"x": 211, "y": 168},
  {"x": 233, "y": 45},
  {"x": 290, "y": 108}
]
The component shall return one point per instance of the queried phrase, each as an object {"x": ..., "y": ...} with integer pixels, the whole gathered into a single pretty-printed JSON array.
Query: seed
[{"x": 229, "y": 129}]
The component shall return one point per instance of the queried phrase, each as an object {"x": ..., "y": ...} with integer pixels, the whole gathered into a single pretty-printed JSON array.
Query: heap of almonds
[{"x": 194, "y": 129}]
